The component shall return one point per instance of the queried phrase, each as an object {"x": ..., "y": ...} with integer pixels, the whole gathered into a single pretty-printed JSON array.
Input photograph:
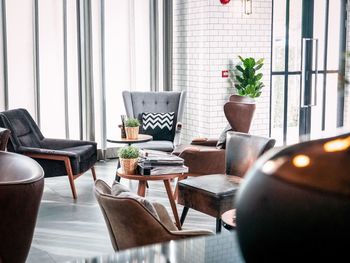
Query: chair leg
[
  {"x": 183, "y": 215},
  {"x": 70, "y": 177},
  {"x": 218, "y": 225},
  {"x": 93, "y": 172}
]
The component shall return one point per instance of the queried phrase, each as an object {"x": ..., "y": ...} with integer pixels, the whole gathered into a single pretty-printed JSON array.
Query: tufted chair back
[{"x": 137, "y": 102}]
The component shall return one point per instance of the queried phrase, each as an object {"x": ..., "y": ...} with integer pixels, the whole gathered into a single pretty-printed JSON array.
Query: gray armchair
[{"x": 138, "y": 102}]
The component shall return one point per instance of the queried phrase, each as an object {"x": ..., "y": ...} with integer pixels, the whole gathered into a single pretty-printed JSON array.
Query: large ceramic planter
[
  {"x": 132, "y": 133},
  {"x": 128, "y": 165},
  {"x": 239, "y": 112}
]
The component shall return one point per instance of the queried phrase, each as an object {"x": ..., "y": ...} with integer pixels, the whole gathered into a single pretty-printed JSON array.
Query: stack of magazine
[{"x": 158, "y": 163}]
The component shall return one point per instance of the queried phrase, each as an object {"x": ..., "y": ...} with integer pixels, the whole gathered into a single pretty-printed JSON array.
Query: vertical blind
[{"x": 67, "y": 62}]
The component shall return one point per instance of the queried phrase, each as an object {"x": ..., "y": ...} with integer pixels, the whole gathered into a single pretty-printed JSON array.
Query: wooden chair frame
[{"x": 67, "y": 163}]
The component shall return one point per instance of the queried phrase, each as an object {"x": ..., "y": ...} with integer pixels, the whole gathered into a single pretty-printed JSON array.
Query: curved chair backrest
[
  {"x": 21, "y": 188},
  {"x": 4, "y": 137},
  {"x": 242, "y": 150},
  {"x": 24, "y": 131},
  {"x": 129, "y": 223}
]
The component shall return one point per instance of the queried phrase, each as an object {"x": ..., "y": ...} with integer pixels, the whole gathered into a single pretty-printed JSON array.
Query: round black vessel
[{"x": 295, "y": 204}]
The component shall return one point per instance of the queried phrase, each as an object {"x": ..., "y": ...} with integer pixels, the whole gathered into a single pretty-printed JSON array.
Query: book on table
[
  {"x": 157, "y": 163},
  {"x": 161, "y": 169},
  {"x": 151, "y": 157}
]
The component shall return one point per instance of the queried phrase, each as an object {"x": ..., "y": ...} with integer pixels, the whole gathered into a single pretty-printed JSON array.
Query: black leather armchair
[{"x": 57, "y": 156}]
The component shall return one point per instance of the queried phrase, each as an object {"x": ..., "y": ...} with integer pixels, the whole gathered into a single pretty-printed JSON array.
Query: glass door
[{"x": 307, "y": 97}]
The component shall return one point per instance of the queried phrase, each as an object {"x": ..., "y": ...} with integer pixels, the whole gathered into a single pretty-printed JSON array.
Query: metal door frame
[{"x": 307, "y": 32}]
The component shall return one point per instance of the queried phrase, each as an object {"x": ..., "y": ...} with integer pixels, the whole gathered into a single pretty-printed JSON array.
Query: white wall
[{"x": 207, "y": 36}]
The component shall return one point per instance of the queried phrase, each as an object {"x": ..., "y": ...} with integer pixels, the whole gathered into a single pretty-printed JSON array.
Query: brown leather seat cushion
[{"x": 211, "y": 194}]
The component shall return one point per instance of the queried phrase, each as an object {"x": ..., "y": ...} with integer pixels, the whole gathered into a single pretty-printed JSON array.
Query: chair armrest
[
  {"x": 49, "y": 152},
  {"x": 192, "y": 233},
  {"x": 177, "y": 137},
  {"x": 57, "y": 144},
  {"x": 205, "y": 161},
  {"x": 178, "y": 127},
  {"x": 204, "y": 142}
]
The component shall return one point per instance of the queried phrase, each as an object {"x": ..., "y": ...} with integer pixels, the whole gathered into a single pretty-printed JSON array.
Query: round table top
[
  {"x": 141, "y": 138},
  {"x": 229, "y": 219},
  {"x": 140, "y": 177}
]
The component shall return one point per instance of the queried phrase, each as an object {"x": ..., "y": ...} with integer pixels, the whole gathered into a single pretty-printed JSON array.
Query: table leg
[
  {"x": 172, "y": 202},
  {"x": 117, "y": 177},
  {"x": 176, "y": 192},
  {"x": 141, "y": 190}
]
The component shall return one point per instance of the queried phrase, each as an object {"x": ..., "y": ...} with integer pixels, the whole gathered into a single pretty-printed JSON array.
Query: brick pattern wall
[
  {"x": 208, "y": 37},
  {"x": 191, "y": 64}
]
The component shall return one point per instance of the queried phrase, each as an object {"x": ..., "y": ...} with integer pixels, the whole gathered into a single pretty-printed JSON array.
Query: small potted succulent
[
  {"x": 132, "y": 127},
  {"x": 128, "y": 157}
]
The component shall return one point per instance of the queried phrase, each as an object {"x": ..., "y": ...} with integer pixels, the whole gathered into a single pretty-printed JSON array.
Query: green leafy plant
[
  {"x": 128, "y": 152},
  {"x": 132, "y": 122},
  {"x": 246, "y": 78}
]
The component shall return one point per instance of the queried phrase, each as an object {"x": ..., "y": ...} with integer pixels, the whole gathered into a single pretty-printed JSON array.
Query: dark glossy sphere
[{"x": 290, "y": 211}]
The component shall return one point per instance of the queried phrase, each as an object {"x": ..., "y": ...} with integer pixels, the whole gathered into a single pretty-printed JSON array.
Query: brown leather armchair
[
  {"x": 21, "y": 188},
  {"x": 130, "y": 224},
  {"x": 207, "y": 156},
  {"x": 202, "y": 157}
]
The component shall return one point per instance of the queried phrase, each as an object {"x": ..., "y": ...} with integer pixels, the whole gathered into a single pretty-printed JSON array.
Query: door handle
[{"x": 307, "y": 72}]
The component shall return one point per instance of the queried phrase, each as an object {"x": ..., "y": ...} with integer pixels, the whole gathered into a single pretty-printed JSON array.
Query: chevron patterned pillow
[{"x": 159, "y": 125}]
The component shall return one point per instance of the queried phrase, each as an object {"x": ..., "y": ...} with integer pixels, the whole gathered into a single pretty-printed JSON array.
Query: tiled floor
[{"x": 68, "y": 229}]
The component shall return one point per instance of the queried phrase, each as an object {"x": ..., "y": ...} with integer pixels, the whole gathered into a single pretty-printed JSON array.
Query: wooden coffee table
[
  {"x": 140, "y": 139},
  {"x": 141, "y": 191}
]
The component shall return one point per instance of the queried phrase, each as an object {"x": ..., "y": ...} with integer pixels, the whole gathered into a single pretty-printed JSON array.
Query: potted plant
[
  {"x": 132, "y": 128},
  {"x": 128, "y": 157},
  {"x": 246, "y": 78}
]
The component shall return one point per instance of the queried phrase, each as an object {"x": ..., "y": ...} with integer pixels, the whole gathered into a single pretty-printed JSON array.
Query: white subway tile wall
[{"x": 208, "y": 36}]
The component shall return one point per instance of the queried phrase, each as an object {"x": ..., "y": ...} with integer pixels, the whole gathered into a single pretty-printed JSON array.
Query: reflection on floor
[{"x": 68, "y": 230}]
